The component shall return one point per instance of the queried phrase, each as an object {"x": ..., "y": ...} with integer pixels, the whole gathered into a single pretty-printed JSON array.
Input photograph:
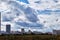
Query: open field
[{"x": 29, "y": 37}]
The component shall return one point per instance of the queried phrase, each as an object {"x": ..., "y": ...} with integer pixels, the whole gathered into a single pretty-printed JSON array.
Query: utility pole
[{"x": 0, "y": 22}]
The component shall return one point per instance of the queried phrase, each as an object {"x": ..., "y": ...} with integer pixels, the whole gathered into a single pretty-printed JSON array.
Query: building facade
[
  {"x": 8, "y": 28},
  {"x": 56, "y": 32},
  {"x": 22, "y": 30}
]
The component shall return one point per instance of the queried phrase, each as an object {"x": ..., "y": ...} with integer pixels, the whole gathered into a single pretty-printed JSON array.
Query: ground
[{"x": 29, "y": 37}]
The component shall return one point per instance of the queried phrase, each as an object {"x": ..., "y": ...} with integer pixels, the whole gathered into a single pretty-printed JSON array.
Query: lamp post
[{"x": 0, "y": 22}]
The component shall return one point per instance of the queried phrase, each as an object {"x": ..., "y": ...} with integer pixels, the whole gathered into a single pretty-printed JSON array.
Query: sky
[
  {"x": 25, "y": 1},
  {"x": 35, "y": 15}
]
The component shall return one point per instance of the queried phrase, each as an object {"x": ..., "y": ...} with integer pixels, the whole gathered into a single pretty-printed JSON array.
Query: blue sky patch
[{"x": 25, "y": 1}]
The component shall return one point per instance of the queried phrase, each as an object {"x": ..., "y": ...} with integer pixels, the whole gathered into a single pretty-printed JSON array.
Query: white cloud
[
  {"x": 4, "y": 6},
  {"x": 49, "y": 21},
  {"x": 44, "y": 4}
]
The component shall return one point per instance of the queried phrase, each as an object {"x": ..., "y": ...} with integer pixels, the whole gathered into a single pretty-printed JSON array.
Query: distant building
[
  {"x": 29, "y": 32},
  {"x": 56, "y": 32},
  {"x": 8, "y": 28},
  {"x": 15, "y": 32},
  {"x": 36, "y": 32},
  {"x": 49, "y": 33},
  {"x": 22, "y": 31}
]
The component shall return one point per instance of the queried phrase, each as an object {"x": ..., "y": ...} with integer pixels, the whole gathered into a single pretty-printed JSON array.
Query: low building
[
  {"x": 56, "y": 32},
  {"x": 29, "y": 32}
]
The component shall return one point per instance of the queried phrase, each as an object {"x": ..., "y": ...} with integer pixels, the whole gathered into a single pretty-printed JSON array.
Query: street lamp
[{"x": 0, "y": 21}]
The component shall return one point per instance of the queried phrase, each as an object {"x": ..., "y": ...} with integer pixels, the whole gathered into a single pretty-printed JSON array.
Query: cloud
[
  {"x": 51, "y": 21},
  {"x": 4, "y": 6},
  {"x": 34, "y": 14},
  {"x": 43, "y": 4},
  {"x": 12, "y": 17}
]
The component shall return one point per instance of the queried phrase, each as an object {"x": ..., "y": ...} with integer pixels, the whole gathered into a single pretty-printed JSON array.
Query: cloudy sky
[{"x": 35, "y": 15}]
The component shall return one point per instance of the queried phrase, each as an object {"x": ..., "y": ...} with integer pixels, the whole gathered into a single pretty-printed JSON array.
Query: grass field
[{"x": 29, "y": 37}]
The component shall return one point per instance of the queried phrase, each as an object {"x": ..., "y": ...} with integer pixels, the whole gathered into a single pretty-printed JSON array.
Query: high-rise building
[
  {"x": 8, "y": 28},
  {"x": 22, "y": 31}
]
